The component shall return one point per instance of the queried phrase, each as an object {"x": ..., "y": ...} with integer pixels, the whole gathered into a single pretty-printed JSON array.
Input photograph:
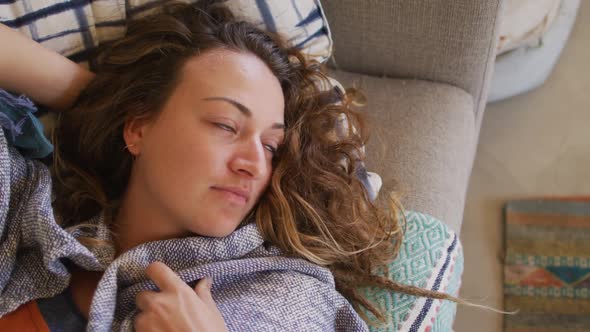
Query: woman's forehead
[
  {"x": 222, "y": 63},
  {"x": 241, "y": 77}
]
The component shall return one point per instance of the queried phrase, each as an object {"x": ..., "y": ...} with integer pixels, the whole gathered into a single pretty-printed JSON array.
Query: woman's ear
[{"x": 134, "y": 133}]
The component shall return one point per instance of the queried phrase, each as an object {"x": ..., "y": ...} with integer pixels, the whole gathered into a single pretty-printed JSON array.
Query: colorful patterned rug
[{"x": 547, "y": 265}]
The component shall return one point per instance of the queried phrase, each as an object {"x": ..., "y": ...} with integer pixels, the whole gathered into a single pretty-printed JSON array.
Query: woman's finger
[
  {"x": 163, "y": 276},
  {"x": 144, "y": 299},
  {"x": 203, "y": 290},
  {"x": 140, "y": 322}
]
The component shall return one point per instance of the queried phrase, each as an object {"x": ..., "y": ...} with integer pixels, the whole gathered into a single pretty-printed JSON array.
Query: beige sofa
[{"x": 425, "y": 67}]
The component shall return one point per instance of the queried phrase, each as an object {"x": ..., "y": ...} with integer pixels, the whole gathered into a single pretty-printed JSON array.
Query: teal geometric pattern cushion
[{"x": 430, "y": 257}]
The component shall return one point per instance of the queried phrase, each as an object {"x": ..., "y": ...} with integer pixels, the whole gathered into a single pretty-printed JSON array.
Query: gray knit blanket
[{"x": 256, "y": 288}]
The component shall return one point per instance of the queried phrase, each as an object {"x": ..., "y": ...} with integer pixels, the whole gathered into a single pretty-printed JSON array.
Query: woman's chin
[{"x": 221, "y": 229}]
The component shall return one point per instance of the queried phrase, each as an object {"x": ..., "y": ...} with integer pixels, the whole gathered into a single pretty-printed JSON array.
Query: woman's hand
[{"x": 177, "y": 307}]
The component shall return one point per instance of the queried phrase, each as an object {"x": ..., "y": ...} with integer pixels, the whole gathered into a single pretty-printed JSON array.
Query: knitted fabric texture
[{"x": 255, "y": 287}]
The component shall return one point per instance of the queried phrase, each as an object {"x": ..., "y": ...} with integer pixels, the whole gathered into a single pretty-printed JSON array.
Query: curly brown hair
[{"x": 315, "y": 207}]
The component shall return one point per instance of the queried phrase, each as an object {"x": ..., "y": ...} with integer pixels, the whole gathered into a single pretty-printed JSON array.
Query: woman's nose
[{"x": 250, "y": 159}]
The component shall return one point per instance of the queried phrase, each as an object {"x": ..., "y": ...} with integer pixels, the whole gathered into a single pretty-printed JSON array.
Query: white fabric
[
  {"x": 525, "y": 21},
  {"x": 526, "y": 68}
]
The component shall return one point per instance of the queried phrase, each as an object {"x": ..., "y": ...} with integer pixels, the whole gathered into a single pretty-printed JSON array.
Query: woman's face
[{"x": 204, "y": 161}]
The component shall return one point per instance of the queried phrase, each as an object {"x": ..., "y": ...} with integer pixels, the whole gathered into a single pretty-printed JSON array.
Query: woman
[{"x": 198, "y": 137}]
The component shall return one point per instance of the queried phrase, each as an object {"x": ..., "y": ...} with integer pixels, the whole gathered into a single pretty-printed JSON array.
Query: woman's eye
[
  {"x": 225, "y": 127},
  {"x": 271, "y": 148}
]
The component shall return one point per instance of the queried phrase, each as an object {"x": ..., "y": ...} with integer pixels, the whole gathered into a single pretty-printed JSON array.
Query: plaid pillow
[{"x": 74, "y": 27}]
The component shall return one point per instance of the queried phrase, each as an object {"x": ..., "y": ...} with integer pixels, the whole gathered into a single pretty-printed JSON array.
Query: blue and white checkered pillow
[{"x": 73, "y": 27}]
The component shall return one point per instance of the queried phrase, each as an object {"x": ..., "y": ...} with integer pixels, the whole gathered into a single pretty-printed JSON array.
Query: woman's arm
[{"x": 46, "y": 77}]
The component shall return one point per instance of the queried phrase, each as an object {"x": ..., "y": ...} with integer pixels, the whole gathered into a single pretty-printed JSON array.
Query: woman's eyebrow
[{"x": 243, "y": 109}]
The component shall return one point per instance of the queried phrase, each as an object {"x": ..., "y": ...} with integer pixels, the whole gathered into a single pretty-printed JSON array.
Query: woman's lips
[{"x": 231, "y": 195}]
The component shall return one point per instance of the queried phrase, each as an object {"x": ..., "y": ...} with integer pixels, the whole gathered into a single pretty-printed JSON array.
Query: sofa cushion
[
  {"x": 442, "y": 41},
  {"x": 430, "y": 257},
  {"x": 423, "y": 141},
  {"x": 73, "y": 27}
]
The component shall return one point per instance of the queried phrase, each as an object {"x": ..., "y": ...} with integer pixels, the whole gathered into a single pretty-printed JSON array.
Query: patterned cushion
[
  {"x": 430, "y": 257},
  {"x": 73, "y": 27}
]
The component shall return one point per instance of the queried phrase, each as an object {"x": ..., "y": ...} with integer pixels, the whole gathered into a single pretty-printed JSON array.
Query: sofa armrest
[
  {"x": 422, "y": 142},
  {"x": 452, "y": 42}
]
